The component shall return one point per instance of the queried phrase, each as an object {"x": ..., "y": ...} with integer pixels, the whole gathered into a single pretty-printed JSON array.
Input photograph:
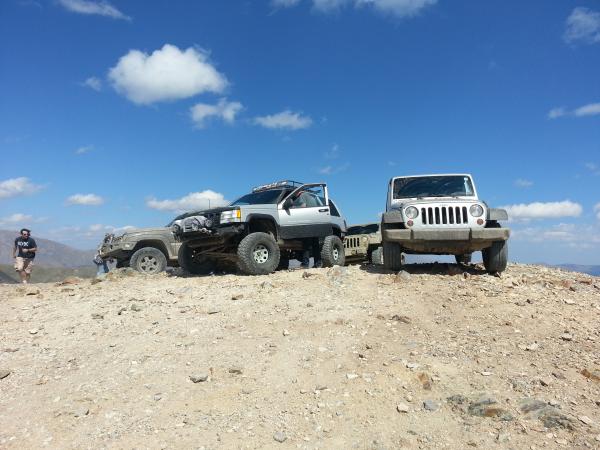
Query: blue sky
[{"x": 119, "y": 114}]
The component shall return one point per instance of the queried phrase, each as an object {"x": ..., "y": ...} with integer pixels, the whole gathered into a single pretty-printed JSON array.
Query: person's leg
[
  {"x": 105, "y": 266},
  {"x": 305, "y": 254},
  {"x": 316, "y": 249},
  {"x": 27, "y": 269}
]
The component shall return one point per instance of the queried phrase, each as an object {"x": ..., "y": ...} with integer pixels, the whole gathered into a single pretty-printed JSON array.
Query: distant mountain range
[
  {"x": 50, "y": 253},
  {"x": 590, "y": 270}
]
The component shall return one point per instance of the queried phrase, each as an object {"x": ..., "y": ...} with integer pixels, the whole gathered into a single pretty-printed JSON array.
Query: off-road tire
[
  {"x": 392, "y": 256},
  {"x": 463, "y": 259},
  {"x": 495, "y": 258},
  {"x": 192, "y": 265},
  {"x": 332, "y": 252},
  {"x": 258, "y": 254},
  {"x": 377, "y": 256},
  {"x": 148, "y": 260}
]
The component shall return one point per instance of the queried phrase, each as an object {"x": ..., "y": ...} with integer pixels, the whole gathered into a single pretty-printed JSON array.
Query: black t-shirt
[{"x": 21, "y": 243}]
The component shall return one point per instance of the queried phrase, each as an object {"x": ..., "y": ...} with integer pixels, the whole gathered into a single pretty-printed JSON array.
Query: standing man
[{"x": 24, "y": 253}]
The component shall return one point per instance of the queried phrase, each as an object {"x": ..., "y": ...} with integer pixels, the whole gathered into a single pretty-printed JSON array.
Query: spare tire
[{"x": 332, "y": 252}]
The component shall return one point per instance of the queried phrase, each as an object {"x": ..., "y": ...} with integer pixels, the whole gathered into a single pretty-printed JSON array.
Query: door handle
[{"x": 324, "y": 210}]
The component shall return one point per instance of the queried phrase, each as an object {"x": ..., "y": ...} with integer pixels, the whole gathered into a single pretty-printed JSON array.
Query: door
[{"x": 305, "y": 213}]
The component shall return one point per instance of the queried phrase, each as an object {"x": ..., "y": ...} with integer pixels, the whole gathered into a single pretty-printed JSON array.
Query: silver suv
[
  {"x": 261, "y": 231},
  {"x": 442, "y": 215}
]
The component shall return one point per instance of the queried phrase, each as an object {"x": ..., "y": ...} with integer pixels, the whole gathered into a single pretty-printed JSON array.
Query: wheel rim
[
  {"x": 260, "y": 254},
  {"x": 149, "y": 264},
  {"x": 335, "y": 253}
]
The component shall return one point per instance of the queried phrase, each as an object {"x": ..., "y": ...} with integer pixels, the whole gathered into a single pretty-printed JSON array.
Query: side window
[
  {"x": 333, "y": 210},
  {"x": 310, "y": 198}
]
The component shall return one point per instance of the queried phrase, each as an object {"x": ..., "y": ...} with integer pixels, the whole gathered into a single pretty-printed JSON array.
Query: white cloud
[
  {"x": 84, "y": 149},
  {"x": 555, "y": 113},
  {"x": 597, "y": 210},
  {"x": 14, "y": 187},
  {"x": 85, "y": 200},
  {"x": 284, "y": 120},
  {"x": 583, "y": 25},
  {"x": 166, "y": 74},
  {"x": 592, "y": 109},
  {"x": 20, "y": 219},
  {"x": 101, "y": 8},
  {"x": 93, "y": 83},
  {"x": 284, "y": 3},
  {"x": 541, "y": 210},
  {"x": 224, "y": 110},
  {"x": 522, "y": 183},
  {"x": 191, "y": 202},
  {"x": 571, "y": 235}
]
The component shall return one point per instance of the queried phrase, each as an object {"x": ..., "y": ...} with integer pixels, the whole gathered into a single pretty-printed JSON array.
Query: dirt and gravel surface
[{"x": 436, "y": 356}]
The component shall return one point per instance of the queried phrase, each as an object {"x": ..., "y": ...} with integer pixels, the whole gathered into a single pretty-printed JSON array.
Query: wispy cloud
[
  {"x": 543, "y": 210},
  {"x": 191, "y": 202},
  {"x": 583, "y": 25},
  {"x": 396, "y": 8},
  {"x": 333, "y": 153},
  {"x": 84, "y": 149},
  {"x": 284, "y": 120},
  {"x": 94, "y": 83},
  {"x": 593, "y": 167},
  {"x": 591, "y": 109},
  {"x": 89, "y": 7},
  {"x": 226, "y": 111},
  {"x": 165, "y": 75},
  {"x": 85, "y": 200},
  {"x": 334, "y": 169},
  {"x": 597, "y": 210},
  {"x": 523, "y": 183},
  {"x": 14, "y": 187}
]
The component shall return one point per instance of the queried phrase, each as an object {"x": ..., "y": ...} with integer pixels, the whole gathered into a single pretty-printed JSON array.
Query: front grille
[
  {"x": 351, "y": 242},
  {"x": 444, "y": 215}
]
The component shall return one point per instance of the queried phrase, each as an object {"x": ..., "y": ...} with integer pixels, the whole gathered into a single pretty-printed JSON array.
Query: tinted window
[
  {"x": 436, "y": 186},
  {"x": 260, "y": 198}
]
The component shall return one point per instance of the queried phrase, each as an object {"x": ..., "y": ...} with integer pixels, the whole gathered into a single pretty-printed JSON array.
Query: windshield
[
  {"x": 435, "y": 186},
  {"x": 363, "y": 229},
  {"x": 270, "y": 196}
]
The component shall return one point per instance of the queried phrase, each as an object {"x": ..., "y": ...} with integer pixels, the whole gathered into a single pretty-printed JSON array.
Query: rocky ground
[{"x": 433, "y": 357}]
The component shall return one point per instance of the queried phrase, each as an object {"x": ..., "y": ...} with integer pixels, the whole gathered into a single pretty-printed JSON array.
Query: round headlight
[
  {"x": 476, "y": 210},
  {"x": 411, "y": 212}
]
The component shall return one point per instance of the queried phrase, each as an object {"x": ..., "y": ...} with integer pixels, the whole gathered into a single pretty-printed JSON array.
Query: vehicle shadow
[{"x": 434, "y": 268}]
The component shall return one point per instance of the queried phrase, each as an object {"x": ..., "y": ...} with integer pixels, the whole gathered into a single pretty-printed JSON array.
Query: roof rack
[{"x": 278, "y": 185}]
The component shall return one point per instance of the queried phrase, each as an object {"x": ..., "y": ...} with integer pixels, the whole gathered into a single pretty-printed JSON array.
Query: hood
[
  {"x": 398, "y": 204},
  {"x": 153, "y": 230}
]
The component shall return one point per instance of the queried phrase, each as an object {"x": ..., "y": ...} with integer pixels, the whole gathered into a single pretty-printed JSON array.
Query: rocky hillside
[
  {"x": 51, "y": 253},
  {"x": 433, "y": 357}
]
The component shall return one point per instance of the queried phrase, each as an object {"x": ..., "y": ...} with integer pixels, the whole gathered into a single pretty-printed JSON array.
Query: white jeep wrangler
[{"x": 442, "y": 215}]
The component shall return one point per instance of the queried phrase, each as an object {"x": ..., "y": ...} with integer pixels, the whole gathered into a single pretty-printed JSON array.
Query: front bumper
[
  {"x": 120, "y": 249},
  {"x": 216, "y": 235},
  {"x": 459, "y": 234},
  {"x": 446, "y": 241}
]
